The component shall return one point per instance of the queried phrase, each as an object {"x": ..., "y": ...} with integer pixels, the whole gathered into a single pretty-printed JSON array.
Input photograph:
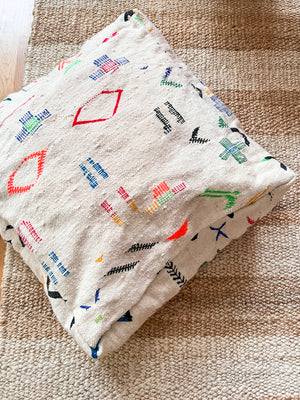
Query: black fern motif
[
  {"x": 141, "y": 246},
  {"x": 196, "y": 139},
  {"x": 122, "y": 268},
  {"x": 53, "y": 294},
  {"x": 177, "y": 276}
]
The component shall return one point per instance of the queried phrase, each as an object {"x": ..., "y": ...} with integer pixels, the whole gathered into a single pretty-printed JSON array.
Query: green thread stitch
[
  {"x": 230, "y": 196},
  {"x": 233, "y": 149},
  {"x": 32, "y": 124},
  {"x": 222, "y": 123},
  {"x": 71, "y": 65}
]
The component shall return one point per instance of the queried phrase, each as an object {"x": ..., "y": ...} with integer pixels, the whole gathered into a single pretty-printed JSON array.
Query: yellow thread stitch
[
  {"x": 99, "y": 259},
  {"x": 257, "y": 196},
  {"x": 98, "y": 318}
]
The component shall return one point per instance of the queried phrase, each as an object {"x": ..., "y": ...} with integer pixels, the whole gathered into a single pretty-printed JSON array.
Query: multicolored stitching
[
  {"x": 233, "y": 149},
  {"x": 106, "y": 65},
  {"x": 31, "y": 124},
  {"x": 165, "y": 80},
  {"x": 230, "y": 196}
]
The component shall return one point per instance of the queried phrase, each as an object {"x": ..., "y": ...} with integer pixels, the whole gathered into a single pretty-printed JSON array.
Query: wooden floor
[{"x": 15, "y": 27}]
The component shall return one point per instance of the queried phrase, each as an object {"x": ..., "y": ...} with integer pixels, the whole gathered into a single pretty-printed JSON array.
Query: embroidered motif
[
  {"x": 198, "y": 90},
  {"x": 181, "y": 232},
  {"x": 106, "y": 39},
  {"x": 194, "y": 237},
  {"x": 95, "y": 349},
  {"x": 138, "y": 19},
  {"x": 122, "y": 268},
  {"x": 106, "y": 65},
  {"x": 165, "y": 80},
  {"x": 205, "y": 262},
  {"x": 30, "y": 229},
  {"x": 230, "y": 196},
  {"x": 122, "y": 192},
  {"x": 100, "y": 259},
  {"x": 41, "y": 155},
  {"x": 247, "y": 143},
  {"x": 270, "y": 158},
  {"x": 220, "y": 105},
  {"x": 195, "y": 139},
  {"x": 16, "y": 110},
  {"x": 98, "y": 318},
  {"x": 231, "y": 215},
  {"x": 63, "y": 270},
  {"x": 222, "y": 123},
  {"x": 62, "y": 64},
  {"x": 85, "y": 307},
  {"x": 127, "y": 317},
  {"x": 89, "y": 176},
  {"x": 52, "y": 294},
  {"x": 97, "y": 298},
  {"x": 162, "y": 193},
  {"x": 145, "y": 67},
  {"x": 219, "y": 231},
  {"x": 31, "y": 124},
  {"x": 141, "y": 246},
  {"x": 233, "y": 149},
  {"x": 50, "y": 273},
  {"x": 164, "y": 120},
  {"x": 72, "y": 65},
  {"x": 257, "y": 196},
  {"x": 252, "y": 221},
  {"x": 104, "y": 92},
  {"x": 128, "y": 14},
  {"x": 176, "y": 275}
]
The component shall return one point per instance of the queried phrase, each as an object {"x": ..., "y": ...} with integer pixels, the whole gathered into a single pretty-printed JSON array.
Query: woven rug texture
[{"x": 233, "y": 332}]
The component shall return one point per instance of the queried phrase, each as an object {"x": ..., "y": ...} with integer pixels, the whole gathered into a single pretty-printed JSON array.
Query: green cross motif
[
  {"x": 32, "y": 124},
  {"x": 232, "y": 149},
  {"x": 230, "y": 196}
]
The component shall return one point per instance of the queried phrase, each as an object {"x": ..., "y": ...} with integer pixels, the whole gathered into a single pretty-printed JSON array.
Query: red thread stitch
[
  {"x": 21, "y": 189},
  {"x": 76, "y": 122},
  {"x": 106, "y": 39},
  {"x": 24, "y": 239},
  {"x": 32, "y": 231},
  {"x": 16, "y": 110}
]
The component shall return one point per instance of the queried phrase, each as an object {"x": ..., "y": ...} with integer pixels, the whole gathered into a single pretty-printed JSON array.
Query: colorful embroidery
[
  {"x": 106, "y": 39},
  {"x": 196, "y": 139},
  {"x": 219, "y": 231},
  {"x": 89, "y": 176},
  {"x": 107, "y": 207},
  {"x": 219, "y": 104},
  {"x": 128, "y": 14},
  {"x": 98, "y": 318},
  {"x": 16, "y": 110},
  {"x": 100, "y": 259},
  {"x": 50, "y": 273},
  {"x": 122, "y": 268},
  {"x": 270, "y": 158},
  {"x": 32, "y": 232},
  {"x": 162, "y": 193},
  {"x": 232, "y": 149},
  {"x": 141, "y": 246},
  {"x": 95, "y": 349},
  {"x": 165, "y": 80},
  {"x": 106, "y": 65},
  {"x": 31, "y": 124},
  {"x": 222, "y": 123},
  {"x": 62, "y": 64},
  {"x": 181, "y": 232},
  {"x": 41, "y": 155},
  {"x": 164, "y": 120},
  {"x": 104, "y": 92},
  {"x": 230, "y": 196},
  {"x": 72, "y": 65},
  {"x": 257, "y": 196},
  {"x": 176, "y": 275},
  {"x": 122, "y": 192},
  {"x": 252, "y": 221},
  {"x": 63, "y": 270}
]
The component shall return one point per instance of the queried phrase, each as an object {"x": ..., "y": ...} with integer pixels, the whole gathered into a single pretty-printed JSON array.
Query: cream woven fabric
[{"x": 212, "y": 292}]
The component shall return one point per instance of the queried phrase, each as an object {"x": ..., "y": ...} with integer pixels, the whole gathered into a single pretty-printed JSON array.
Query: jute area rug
[{"x": 233, "y": 331}]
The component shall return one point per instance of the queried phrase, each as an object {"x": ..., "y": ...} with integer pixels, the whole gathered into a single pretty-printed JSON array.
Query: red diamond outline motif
[
  {"x": 11, "y": 189},
  {"x": 76, "y": 122}
]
